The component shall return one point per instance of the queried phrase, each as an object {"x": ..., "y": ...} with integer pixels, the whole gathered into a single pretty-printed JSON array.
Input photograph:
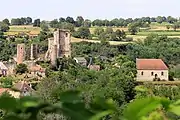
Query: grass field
[
  {"x": 23, "y": 28},
  {"x": 96, "y": 41},
  {"x": 156, "y": 28}
]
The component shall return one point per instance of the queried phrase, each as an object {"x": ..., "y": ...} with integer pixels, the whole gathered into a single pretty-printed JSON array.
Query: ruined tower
[
  {"x": 54, "y": 56},
  {"x": 34, "y": 52},
  {"x": 59, "y": 46},
  {"x": 20, "y": 53},
  {"x": 62, "y": 38}
]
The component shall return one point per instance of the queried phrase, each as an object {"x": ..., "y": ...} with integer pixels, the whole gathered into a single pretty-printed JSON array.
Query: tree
[
  {"x": 1, "y": 34},
  {"x": 175, "y": 26},
  {"x": 28, "y": 20},
  {"x": 23, "y": 21},
  {"x": 21, "y": 68},
  {"x": 159, "y": 19},
  {"x": 87, "y": 23},
  {"x": 97, "y": 22},
  {"x": 4, "y": 27},
  {"x": 37, "y": 23},
  {"x": 70, "y": 20},
  {"x": 79, "y": 21},
  {"x": 7, "y": 50},
  {"x": 133, "y": 29},
  {"x": 6, "y": 21},
  {"x": 98, "y": 31},
  {"x": 44, "y": 26},
  {"x": 109, "y": 30},
  {"x": 16, "y": 21},
  {"x": 65, "y": 25},
  {"x": 152, "y": 19},
  {"x": 61, "y": 19},
  {"x": 6, "y": 82},
  {"x": 168, "y": 27},
  {"x": 54, "y": 23},
  {"x": 120, "y": 34},
  {"x": 115, "y": 22},
  {"x": 106, "y": 22},
  {"x": 82, "y": 32}
]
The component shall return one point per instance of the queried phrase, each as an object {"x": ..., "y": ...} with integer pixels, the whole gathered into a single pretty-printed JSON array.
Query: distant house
[
  {"x": 3, "y": 69},
  {"x": 23, "y": 88},
  {"x": 151, "y": 69},
  {"x": 37, "y": 70},
  {"x": 3, "y": 90},
  {"x": 94, "y": 67},
  {"x": 15, "y": 94},
  {"x": 81, "y": 60}
]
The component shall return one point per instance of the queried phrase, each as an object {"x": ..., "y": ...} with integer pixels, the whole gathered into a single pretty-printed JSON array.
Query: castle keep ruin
[{"x": 59, "y": 46}]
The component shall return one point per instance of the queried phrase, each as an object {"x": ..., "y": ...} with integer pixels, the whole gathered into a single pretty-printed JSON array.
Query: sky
[{"x": 90, "y": 9}]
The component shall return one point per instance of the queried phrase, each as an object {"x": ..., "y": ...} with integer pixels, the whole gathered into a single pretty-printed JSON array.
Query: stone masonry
[
  {"x": 20, "y": 53},
  {"x": 59, "y": 46}
]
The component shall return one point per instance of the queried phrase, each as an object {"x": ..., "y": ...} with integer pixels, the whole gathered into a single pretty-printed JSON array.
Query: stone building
[
  {"x": 20, "y": 53},
  {"x": 3, "y": 69},
  {"x": 81, "y": 60},
  {"x": 62, "y": 38},
  {"x": 151, "y": 69},
  {"x": 59, "y": 46}
]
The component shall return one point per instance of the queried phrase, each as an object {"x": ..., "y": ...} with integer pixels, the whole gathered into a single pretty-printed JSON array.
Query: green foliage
[
  {"x": 44, "y": 26},
  {"x": 155, "y": 46},
  {"x": 21, "y": 68},
  {"x": 93, "y": 49},
  {"x": 79, "y": 21},
  {"x": 98, "y": 31},
  {"x": 6, "y": 21},
  {"x": 82, "y": 32},
  {"x": 6, "y": 82},
  {"x": 28, "y": 108},
  {"x": 20, "y": 21},
  {"x": 133, "y": 29},
  {"x": 111, "y": 82},
  {"x": 72, "y": 106},
  {"x": 65, "y": 25},
  {"x": 37, "y": 23},
  {"x": 7, "y": 50},
  {"x": 4, "y": 27}
]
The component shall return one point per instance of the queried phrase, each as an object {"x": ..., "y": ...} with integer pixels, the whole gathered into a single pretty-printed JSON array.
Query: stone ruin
[{"x": 59, "y": 46}]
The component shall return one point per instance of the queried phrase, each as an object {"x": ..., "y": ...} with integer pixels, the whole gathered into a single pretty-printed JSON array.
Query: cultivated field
[{"x": 155, "y": 28}]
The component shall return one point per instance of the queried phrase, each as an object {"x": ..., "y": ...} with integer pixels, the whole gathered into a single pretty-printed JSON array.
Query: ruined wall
[
  {"x": 54, "y": 56},
  {"x": 20, "y": 53},
  {"x": 64, "y": 43},
  {"x": 60, "y": 45},
  {"x": 34, "y": 51}
]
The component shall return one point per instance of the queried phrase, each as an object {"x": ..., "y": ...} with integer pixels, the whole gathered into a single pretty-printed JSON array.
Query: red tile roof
[
  {"x": 37, "y": 68},
  {"x": 150, "y": 64},
  {"x": 2, "y": 90}
]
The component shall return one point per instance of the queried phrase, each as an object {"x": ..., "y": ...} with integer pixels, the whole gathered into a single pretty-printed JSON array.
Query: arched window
[
  {"x": 66, "y": 34},
  {"x": 142, "y": 73}
]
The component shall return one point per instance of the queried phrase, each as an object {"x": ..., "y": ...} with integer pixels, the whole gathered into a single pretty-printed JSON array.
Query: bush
[
  {"x": 21, "y": 68},
  {"x": 6, "y": 82}
]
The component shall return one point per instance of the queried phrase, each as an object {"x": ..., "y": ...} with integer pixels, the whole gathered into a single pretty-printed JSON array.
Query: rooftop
[
  {"x": 80, "y": 59},
  {"x": 2, "y": 90},
  {"x": 2, "y": 66},
  {"x": 150, "y": 64}
]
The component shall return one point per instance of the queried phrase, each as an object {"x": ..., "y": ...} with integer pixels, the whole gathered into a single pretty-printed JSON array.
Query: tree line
[{"x": 80, "y": 21}]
